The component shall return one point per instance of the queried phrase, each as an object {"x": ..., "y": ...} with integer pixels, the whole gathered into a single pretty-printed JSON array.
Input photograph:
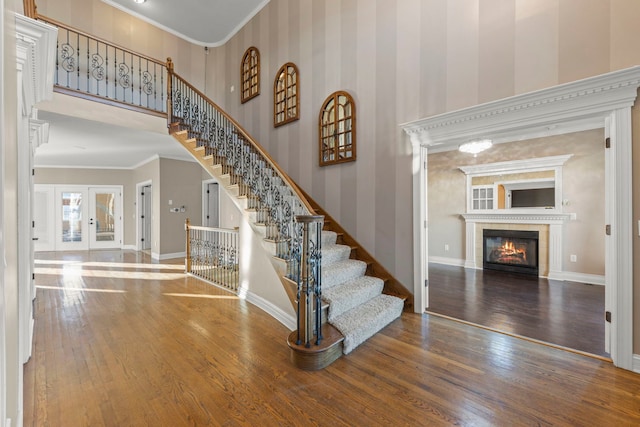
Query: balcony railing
[
  {"x": 212, "y": 255},
  {"x": 89, "y": 67}
]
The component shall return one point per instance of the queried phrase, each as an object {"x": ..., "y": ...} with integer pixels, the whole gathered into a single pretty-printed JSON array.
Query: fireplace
[{"x": 510, "y": 250}]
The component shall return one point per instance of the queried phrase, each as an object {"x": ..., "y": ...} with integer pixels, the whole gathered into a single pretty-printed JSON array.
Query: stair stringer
[{"x": 257, "y": 284}]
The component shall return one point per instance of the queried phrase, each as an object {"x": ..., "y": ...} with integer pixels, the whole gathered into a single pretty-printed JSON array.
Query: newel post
[
  {"x": 187, "y": 261},
  {"x": 309, "y": 294}
]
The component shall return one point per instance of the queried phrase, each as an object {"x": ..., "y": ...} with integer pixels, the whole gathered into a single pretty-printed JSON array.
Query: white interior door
[
  {"x": 105, "y": 218},
  {"x": 71, "y": 218},
  {"x": 87, "y": 217}
]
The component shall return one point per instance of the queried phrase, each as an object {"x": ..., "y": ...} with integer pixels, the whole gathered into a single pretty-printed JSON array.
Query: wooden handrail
[
  {"x": 92, "y": 37},
  {"x": 244, "y": 133},
  {"x": 30, "y": 8}
]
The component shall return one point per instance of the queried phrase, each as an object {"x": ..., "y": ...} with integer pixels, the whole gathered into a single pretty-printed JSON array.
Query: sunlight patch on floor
[
  {"x": 81, "y": 272},
  {"x": 179, "y": 267},
  {"x": 202, "y": 296},
  {"x": 65, "y": 288}
]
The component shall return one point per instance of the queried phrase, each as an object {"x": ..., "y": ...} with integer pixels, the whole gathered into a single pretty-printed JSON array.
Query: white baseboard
[
  {"x": 277, "y": 313},
  {"x": 447, "y": 261},
  {"x": 636, "y": 363},
  {"x": 130, "y": 247},
  {"x": 162, "y": 257},
  {"x": 592, "y": 279}
]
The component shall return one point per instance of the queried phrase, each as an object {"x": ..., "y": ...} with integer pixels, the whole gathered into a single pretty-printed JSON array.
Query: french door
[{"x": 78, "y": 217}]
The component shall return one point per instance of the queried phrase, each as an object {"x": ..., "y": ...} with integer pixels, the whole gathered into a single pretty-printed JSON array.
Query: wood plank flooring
[
  {"x": 567, "y": 314},
  {"x": 120, "y": 341}
]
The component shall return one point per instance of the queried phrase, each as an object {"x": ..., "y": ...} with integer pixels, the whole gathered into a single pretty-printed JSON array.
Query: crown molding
[{"x": 569, "y": 107}]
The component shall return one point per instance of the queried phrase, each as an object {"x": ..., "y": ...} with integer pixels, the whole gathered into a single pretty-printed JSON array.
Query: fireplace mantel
[{"x": 519, "y": 217}]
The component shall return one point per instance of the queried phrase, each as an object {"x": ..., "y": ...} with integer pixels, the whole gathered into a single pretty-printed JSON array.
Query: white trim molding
[
  {"x": 602, "y": 101},
  {"x": 274, "y": 311},
  {"x": 636, "y": 363}
]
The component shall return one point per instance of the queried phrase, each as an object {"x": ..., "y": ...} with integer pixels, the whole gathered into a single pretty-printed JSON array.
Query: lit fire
[{"x": 508, "y": 253}]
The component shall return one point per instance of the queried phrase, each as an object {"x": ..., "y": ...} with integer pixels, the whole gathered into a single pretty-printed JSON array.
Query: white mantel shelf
[
  {"x": 519, "y": 217},
  {"x": 555, "y": 220}
]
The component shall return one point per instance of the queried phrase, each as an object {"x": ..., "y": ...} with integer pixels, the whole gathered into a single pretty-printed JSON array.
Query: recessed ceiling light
[{"x": 139, "y": 1}]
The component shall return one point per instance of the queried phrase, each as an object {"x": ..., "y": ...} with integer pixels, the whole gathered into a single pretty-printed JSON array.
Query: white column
[
  {"x": 470, "y": 250},
  {"x": 555, "y": 252}
]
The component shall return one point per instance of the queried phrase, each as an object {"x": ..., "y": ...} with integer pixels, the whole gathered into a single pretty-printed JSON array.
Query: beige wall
[
  {"x": 403, "y": 60},
  {"x": 106, "y": 22},
  {"x": 181, "y": 183},
  {"x": 583, "y": 188}
]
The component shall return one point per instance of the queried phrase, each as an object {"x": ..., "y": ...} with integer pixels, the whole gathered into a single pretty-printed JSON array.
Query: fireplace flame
[{"x": 508, "y": 249}]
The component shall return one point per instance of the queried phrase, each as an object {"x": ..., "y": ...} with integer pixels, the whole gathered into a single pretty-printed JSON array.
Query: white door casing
[{"x": 603, "y": 101}]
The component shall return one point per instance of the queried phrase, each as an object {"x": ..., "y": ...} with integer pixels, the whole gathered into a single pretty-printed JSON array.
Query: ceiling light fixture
[
  {"x": 475, "y": 147},
  {"x": 139, "y": 1}
]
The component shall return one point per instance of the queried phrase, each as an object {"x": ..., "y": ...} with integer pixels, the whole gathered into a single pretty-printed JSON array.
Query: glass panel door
[
  {"x": 104, "y": 218},
  {"x": 71, "y": 214}
]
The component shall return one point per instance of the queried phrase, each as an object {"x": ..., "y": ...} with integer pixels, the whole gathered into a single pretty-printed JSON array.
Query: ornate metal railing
[
  {"x": 309, "y": 290},
  {"x": 213, "y": 254},
  {"x": 271, "y": 193},
  {"x": 89, "y": 67}
]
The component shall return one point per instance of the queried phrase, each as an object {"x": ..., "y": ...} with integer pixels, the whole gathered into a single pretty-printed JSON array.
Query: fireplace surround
[{"x": 514, "y": 251}]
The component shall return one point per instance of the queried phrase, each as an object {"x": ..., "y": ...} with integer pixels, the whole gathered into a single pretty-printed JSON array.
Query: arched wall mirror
[{"x": 337, "y": 129}]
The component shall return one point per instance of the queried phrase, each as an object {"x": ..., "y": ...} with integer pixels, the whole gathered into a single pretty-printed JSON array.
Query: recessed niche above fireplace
[{"x": 529, "y": 184}]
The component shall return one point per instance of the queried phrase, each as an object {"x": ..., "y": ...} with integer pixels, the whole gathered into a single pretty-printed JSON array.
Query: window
[
  {"x": 337, "y": 129},
  {"x": 482, "y": 197},
  {"x": 285, "y": 95},
  {"x": 250, "y": 74}
]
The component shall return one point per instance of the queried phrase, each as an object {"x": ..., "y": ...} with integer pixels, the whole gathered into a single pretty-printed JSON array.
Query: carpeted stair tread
[
  {"x": 341, "y": 271},
  {"x": 329, "y": 237},
  {"x": 345, "y": 296},
  {"x": 334, "y": 253},
  {"x": 361, "y": 323}
]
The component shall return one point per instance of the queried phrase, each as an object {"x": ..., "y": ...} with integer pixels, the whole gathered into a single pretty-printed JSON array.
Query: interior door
[
  {"x": 71, "y": 218},
  {"x": 145, "y": 218},
  {"x": 211, "y": 215},
  {"x": 105, "y": 218}
]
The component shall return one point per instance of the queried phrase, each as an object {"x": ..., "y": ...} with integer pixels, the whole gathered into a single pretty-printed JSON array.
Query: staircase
[{"x": 354, "y": 306}]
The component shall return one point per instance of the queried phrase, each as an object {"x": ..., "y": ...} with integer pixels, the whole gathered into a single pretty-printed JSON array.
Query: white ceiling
[
  {"x": 206, "y": 23},
  {"x": 76, "y": 142},
  {"x": 123, "y": 139}
]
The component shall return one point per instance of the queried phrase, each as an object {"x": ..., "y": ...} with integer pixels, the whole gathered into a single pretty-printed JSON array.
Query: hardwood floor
[
  {"x": 123, "y": 342},
  {"x": 567, "y": 314}
]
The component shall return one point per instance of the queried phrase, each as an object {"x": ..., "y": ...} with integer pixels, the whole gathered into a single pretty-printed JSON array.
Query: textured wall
[{"x": 403, "y": 60}]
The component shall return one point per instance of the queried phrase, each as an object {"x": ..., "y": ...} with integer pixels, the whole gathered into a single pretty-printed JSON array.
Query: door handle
[{"x": 34, "y": 238}]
